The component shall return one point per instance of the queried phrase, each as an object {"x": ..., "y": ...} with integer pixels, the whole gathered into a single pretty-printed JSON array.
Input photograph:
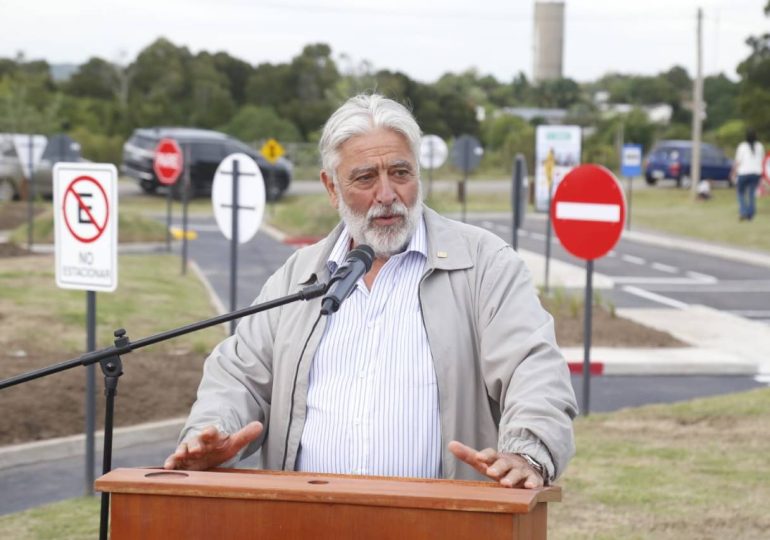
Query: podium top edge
[{"x": 456, "y": 495}]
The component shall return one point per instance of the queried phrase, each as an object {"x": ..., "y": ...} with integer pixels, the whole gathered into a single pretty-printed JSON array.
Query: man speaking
[{"x": 440, "y": 363}]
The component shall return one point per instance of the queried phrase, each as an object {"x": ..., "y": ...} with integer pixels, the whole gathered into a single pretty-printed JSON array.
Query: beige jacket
[{"x": 493, "y": 345}]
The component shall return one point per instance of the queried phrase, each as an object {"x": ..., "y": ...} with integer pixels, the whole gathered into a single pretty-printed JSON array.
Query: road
[{"x": 652, "y": 276}]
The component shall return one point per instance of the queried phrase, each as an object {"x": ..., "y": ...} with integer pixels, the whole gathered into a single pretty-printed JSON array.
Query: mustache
[{"x": 396, "y": 209}]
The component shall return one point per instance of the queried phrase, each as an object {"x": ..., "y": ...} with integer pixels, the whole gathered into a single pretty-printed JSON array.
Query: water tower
[{"x": 548, "y": 41}]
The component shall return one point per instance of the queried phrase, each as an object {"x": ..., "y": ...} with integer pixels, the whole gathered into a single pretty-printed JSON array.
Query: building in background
[{"x": 548, "y": 41}]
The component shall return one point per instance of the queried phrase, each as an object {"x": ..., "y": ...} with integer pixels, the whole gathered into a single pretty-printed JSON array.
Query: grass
[
  {"x": 148, "y": 284},
  {"x": 674, "y": 211},
  {"x": 696, "y": 469}
]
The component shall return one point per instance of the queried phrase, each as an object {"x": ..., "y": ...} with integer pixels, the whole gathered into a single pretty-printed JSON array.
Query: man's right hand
[{"x": 211, "y": 448}]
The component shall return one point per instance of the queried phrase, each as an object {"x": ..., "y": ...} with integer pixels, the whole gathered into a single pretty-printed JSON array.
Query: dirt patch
[
  {"x": 14, "y": 213},
  {"x": 157, "y": 384}
]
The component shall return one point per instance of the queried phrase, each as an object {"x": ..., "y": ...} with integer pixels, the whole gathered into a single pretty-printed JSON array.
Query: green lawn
[{"x": 696, "y": 469}]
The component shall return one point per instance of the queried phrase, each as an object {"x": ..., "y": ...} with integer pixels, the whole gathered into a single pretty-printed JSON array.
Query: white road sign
[
  {"x": 251, "y": 196},
  {"x": 433, "y": 152},
  {"x": 29, "y": 149},
  {"x": 85, "y": 202}
]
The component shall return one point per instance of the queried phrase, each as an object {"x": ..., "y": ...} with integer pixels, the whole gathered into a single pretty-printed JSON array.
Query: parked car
[
  {"x": 672, "y": 159},
  {"x": 207, "y": 149},
  {"x": 60, "y": 147}
]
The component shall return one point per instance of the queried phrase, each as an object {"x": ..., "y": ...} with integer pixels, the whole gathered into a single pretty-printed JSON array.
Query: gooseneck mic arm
[{"x": 343, "y": 281}]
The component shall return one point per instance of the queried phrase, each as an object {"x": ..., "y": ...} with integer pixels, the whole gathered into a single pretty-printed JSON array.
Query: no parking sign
[{"x": 86, "y": 225}]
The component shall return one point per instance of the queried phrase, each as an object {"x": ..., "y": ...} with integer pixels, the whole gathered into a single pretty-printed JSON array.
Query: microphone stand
[{"x": 112, "y": 368}]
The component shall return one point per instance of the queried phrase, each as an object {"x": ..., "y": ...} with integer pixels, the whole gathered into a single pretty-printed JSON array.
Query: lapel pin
[{"x": 441, "y": 254}]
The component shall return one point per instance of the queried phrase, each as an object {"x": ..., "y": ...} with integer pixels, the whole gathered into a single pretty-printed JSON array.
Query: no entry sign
[
  {"x": 168, "y": 163},
  {"x": 588, "y": 211},
  {"x": 86, "y": 225}
]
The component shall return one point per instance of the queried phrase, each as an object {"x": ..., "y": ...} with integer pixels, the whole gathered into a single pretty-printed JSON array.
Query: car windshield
[{"x": 147, "y": 143}]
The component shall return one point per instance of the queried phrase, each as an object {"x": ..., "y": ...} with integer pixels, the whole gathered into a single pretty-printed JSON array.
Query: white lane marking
[
  {"x": 537, "y": 236},
  {"x": 609, "y": 213},
  {"x": 612, "y": 253},
  {"x": 763, "y": 379},
  {"x": 488, "y": 224},
  {"x": 665, "y": 268},
  {"x": 646, "y": 280},
  {"x": 752, "y": 313},
  {"x": 632, "y": 259},
  {"x": 665, "y": 300},
  {"x": 703, "y": 278}
]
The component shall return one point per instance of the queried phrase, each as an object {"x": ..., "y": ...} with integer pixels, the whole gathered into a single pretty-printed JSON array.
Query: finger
[
  {"x": 175, "y": 460},
  {"x": 515, "y": 477},
  {"x": 488, "y": 455},
  {"x": 246, "y": 435},
  {"x": 209, "y": 437},
  {"x": 468, "y": 455},
  {"x": 500, "y": 467}
]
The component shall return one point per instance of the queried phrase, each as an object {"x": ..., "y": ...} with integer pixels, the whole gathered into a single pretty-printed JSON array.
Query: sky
[{"x": 421, "y": 38}]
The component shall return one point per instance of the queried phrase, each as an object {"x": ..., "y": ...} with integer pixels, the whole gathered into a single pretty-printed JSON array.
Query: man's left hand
[{"x": 511, "y": 470}]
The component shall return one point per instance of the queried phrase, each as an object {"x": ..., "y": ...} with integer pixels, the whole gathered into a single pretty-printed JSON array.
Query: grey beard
[{"x": 385, "y": 241}]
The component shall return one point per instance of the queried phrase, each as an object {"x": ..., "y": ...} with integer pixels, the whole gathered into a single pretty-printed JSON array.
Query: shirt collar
[{"x": 418, "y": 244}]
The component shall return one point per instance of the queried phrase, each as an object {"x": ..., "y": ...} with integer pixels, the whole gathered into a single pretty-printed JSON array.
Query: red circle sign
[
  {"x": 588, "y": 211},
  {"x": 84, "y": 222},
  {"x": 168, "y": 162}
]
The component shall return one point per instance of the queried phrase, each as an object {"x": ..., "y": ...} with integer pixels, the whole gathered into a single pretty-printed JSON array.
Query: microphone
[{"x": 357, "y": 263}]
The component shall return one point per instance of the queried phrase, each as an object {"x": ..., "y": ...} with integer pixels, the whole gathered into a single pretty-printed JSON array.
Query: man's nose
[{"x": 385, "y": 193}]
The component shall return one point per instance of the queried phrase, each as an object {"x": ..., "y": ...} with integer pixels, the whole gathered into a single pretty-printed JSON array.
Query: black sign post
[{"x": 466, "y": 156}]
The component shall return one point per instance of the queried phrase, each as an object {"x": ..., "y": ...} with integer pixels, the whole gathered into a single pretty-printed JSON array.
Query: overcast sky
[{"x": 422, "y": 38}]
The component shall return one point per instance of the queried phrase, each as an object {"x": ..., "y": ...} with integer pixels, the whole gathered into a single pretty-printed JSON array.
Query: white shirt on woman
[{"x": 748, "y": 160}]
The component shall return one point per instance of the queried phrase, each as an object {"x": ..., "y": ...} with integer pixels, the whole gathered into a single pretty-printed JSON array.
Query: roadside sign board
[
  {"x": 466, "y": 153},
  {"x": 29, "y": 149},
  {"x": 251, "y": 197},
  {"x": 168, "y": 163},
  {"x": 433, "y": 152},
  {"x": 588, "y": 211},
  {"x": 557, "y": 151},
  {"x": 631, "y": 160},
  {"x": 272, "y": 150},
  {"x": 85, "y": 203}
]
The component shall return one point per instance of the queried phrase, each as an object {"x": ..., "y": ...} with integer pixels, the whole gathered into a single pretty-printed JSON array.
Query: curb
[{"x": 74, "y": 445}]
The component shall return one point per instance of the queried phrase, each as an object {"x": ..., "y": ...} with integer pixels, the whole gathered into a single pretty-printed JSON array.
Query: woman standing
[{"x": 748, "y": 168}]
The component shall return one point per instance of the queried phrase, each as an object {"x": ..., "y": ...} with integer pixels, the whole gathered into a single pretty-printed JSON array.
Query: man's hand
[
  {"x": 510, "y": 470},
  {"x": 211, "y": 448}
]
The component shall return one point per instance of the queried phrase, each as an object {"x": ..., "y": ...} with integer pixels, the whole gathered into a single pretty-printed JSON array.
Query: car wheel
[
  {"x": 7, "y": 191},
  {"x": 149, "y": 187},
  {"x": 273, "y": 191},
  {"x": 650, "y": 180}
]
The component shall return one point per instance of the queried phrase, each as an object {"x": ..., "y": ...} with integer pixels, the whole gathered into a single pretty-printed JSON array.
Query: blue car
[{"x": 671, "y": 159}]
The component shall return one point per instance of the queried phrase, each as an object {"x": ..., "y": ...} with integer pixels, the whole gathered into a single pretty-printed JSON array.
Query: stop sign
[
  {"x": 588, "y": 211},
  {"x": 168, "y": 162}
]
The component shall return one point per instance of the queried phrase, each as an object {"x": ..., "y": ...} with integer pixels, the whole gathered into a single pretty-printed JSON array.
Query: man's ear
[{"x": 331, "y": 189}]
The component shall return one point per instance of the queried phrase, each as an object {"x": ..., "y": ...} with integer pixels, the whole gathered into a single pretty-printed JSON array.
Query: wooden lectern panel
[{"x": 238, "y": 503}]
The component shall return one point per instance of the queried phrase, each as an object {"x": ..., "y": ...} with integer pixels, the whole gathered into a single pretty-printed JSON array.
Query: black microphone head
[{"x": 363, "y": 253}]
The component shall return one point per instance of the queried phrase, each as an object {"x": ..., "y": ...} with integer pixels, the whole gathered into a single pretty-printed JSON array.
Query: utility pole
[{"x": 697, "y": 108}]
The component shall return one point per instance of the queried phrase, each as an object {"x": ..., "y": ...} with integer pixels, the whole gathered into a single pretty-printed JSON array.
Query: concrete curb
[{"x": 74, "y": 445}]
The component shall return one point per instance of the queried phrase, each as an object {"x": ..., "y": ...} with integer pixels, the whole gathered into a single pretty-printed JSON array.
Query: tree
[
  {"x": 252, "y": 123},
  {"x": 97, "y": 78},
  {"x": 754, "y": 88}
]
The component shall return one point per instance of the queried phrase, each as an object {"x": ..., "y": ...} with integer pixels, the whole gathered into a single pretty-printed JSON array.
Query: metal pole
[
  {"x": 587, "y": 337},
  {"x": 548, "y": 240},
  {"x": 90, "y": 392},
  {"x": 518, "y": 170},
  {"x": 630, "y": 195},
  {"x": 31, "y": 196},
  {"x": 697, "y": 106},
  {"x": 234, "y": 246},
  {"x": 168, "y": 219},
  {"x": 430, "y": 169},
  {"x": 185, "y": 204},
  {"x": 467, "y": 165}
]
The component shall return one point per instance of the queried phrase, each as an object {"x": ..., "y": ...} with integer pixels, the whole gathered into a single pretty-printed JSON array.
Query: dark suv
[
  {"x": 206, "y": 150},
  {"x": 672, "y": 159}
]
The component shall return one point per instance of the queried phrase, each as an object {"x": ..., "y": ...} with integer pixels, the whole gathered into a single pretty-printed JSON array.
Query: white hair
[{"x": 360, "y": 115}]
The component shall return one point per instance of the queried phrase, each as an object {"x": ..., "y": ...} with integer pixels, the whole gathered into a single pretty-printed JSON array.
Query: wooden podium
[{"x": 242, "y": 504}]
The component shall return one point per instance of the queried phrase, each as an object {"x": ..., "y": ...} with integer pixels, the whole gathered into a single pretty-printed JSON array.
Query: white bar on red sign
[{"x": 588, "y": 211}]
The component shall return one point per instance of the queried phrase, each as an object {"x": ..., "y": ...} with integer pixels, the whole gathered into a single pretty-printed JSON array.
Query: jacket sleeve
[
  {"x": 236, "y": 385},
  {"x": 524, "y": 369}
]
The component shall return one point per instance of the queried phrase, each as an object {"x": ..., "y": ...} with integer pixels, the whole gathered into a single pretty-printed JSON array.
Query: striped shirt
[{"x": 372, "y": 402}]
